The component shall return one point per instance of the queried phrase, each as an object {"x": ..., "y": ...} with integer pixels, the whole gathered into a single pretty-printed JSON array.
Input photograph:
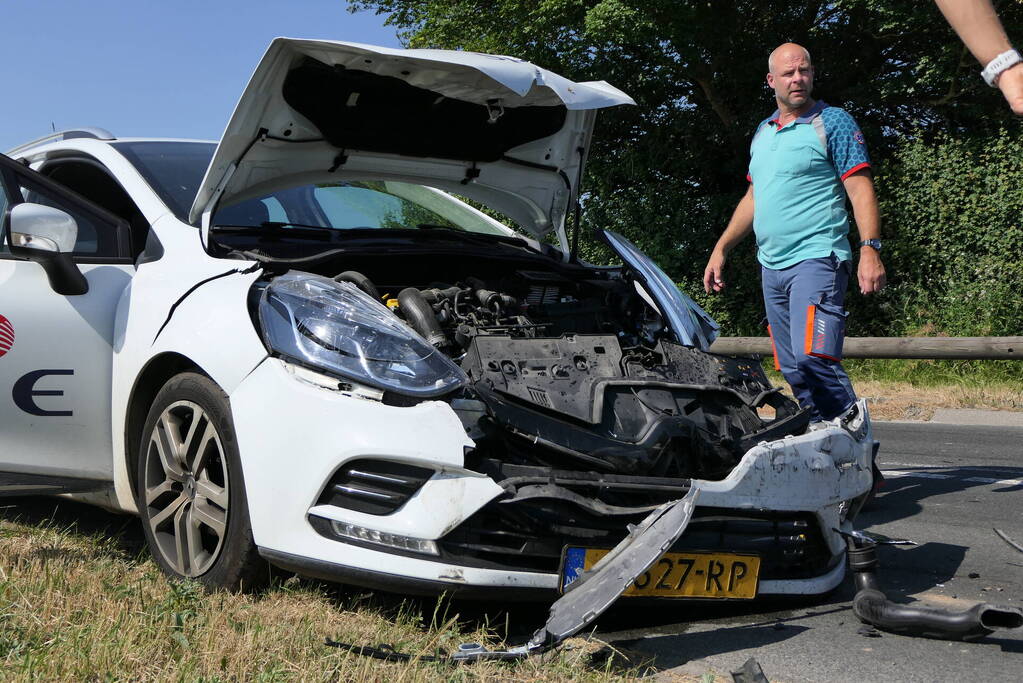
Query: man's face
[{"x": 791, "y": 78}]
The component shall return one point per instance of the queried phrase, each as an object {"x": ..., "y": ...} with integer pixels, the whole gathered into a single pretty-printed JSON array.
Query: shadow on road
[
  {"x": 900, "y": 497},
  {"x": 914, "y": 569},
  {"x": 675, "y": 650}
]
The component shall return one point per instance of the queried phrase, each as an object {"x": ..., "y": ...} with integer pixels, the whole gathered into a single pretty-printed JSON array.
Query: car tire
[{"x": 190, "y": 489}]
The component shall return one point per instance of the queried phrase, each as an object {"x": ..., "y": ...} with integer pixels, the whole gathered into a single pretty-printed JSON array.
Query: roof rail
[{"x": 86, "y": 132}]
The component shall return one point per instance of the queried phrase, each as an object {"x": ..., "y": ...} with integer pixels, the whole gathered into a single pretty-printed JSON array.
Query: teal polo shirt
[{"x": 797, "y": 172}]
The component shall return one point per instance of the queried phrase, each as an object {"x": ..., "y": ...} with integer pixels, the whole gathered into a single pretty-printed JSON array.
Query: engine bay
[{"x": 573, "y": 368}]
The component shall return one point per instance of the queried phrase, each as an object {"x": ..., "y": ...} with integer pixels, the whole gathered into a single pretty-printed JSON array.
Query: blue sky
[{"x": 146, "y": 68}]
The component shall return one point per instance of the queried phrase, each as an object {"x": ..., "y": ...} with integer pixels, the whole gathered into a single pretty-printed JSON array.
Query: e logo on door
[{"x": 24, "y": 393}]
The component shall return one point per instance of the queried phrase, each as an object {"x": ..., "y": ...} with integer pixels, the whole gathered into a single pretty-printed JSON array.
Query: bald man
[{"x": 805, "y": 159}]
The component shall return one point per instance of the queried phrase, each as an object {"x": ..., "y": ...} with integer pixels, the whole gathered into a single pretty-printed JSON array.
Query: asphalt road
[{"x": 946, "y": 487}]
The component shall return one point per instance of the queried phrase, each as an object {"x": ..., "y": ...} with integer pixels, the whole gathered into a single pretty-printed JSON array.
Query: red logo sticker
[{"x": 6, "y": 335}]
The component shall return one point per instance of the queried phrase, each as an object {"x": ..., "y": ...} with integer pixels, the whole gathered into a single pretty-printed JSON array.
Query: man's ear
[{"x": 770, "y": 79}]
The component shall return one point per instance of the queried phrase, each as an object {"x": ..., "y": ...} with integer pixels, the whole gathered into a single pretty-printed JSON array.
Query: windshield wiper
[
  {"x": 279, "y": 229},
  {"x": 292, "y": 226}
]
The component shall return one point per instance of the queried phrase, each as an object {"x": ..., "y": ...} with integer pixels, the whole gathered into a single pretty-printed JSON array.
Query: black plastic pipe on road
[{"x": 872, "y": 606}]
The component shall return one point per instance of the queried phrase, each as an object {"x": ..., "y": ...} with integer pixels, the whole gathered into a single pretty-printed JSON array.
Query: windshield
[
  {"x": 363, "y": 204},
  {"x": 173, "y": 169}
]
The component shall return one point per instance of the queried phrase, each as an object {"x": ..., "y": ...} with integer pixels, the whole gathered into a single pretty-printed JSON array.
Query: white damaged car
[{"x": 301, "y": 347}]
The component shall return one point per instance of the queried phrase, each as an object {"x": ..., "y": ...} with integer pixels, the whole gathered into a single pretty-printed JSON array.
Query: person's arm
[
  {"x": 980, "y": 30},
  {"x": 738, "y": 227},
  {"x": 860, "y": 188}
]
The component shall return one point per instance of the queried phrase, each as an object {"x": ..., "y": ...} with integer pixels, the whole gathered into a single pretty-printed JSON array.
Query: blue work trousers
[{"x": 819, "y": 384}]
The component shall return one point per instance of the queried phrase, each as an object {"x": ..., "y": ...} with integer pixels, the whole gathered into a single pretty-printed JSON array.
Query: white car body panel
[
  {"x": 70, "y": 338},
  {"x": 214, "y": 311},
  {"x": 324, "y": 430}
]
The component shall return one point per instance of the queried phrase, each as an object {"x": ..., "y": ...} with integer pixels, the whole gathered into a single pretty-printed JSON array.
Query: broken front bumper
[{"x": 296, "y": 438}]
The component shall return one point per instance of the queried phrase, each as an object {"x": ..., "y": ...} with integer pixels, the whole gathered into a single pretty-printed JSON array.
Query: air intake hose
[
  {"x": 872, "y": 607},
  {"x": 419, "y": 314}
]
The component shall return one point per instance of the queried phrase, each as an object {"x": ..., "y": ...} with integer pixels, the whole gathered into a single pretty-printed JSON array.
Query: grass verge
[
  {"x": 81, "y": 600},
  {"x": 914, "y": 389}
]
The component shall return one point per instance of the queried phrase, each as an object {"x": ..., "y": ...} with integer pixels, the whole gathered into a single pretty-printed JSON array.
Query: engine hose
[
  {"x": 438, "y": 294},
  {"x": 872, "y": 606},
  {"x": 419, "y": 314},
  {"x": 360, "y": 281},
  {"x": 487, "y": 299}
]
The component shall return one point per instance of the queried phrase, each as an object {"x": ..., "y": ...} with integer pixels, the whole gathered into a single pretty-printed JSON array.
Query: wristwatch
[
  {"x": 874, "y": 244},
  {"x": 999, "y": 64}
]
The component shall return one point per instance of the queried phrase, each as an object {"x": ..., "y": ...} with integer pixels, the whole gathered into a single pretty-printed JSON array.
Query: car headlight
[{"x": 336, "y": 327}]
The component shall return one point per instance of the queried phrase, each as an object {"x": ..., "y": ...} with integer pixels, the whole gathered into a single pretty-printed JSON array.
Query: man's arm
[
  {"x": 860, "y": 188},
  {"x": 740, "y": 226},
  {"x": 977, "y": 24}
]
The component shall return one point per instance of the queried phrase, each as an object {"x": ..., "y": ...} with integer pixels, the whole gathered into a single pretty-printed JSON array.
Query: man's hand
[
  {"x": 870, "y": 272},
  {"x": 740, "y": 226},
  {"x": 713, "y": 275},
  {"x": 1010, "y": 82}
]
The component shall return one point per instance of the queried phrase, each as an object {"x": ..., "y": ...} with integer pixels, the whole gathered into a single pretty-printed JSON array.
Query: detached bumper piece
[{"x": 588, "y": 597}]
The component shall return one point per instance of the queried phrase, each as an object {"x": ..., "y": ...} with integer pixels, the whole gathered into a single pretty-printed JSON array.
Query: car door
[{"x": 56, "y": 350}]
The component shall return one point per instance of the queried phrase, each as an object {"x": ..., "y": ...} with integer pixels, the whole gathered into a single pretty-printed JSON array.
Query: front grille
[
  {"x": 790, "y": 545},
  {"x": 376, "y": 487}
]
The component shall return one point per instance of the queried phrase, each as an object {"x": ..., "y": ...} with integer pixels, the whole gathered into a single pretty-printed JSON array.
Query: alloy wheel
[{"x": 186, "y": 489}]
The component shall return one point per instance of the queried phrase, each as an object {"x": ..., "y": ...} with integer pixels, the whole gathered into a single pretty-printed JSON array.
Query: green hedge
[{"x": 952, "y": 212}]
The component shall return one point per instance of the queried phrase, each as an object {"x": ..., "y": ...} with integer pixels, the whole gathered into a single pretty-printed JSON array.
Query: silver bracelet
[{"x": 999, "y": 64}]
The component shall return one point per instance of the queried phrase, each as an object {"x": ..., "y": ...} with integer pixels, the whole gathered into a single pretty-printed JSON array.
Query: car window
[
  {"x": 94, "y": 238},
  {"x": 101, "y": 236},
  {"x": 173, "y": 169},
  {"x": 275, "y": 210},
  {"x": 91, "y": 179},
  {"x": 358, "y": 206},
  {"x": 346, "y": 205}
]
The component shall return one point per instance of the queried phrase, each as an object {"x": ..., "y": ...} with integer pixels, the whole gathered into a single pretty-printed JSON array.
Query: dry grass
[
  {"x": 901, "y": 401},
  {"x": 80, "y": 600},
  {"x": 897, "y": 399}
]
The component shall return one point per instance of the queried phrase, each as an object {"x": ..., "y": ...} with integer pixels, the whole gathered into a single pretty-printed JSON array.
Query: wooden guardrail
[{"x": 952, "y": 348}]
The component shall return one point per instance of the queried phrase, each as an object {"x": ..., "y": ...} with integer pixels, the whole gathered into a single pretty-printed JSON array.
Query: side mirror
[
  {"x": 42, "y": 228},
  {"x": 47, "y": 236}
]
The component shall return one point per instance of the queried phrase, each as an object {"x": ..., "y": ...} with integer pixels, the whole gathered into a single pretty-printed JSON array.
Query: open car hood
[{"x": 495, "y": 129}]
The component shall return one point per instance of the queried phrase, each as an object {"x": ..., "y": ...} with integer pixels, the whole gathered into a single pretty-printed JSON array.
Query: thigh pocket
[{"x": 825, "y": 331}]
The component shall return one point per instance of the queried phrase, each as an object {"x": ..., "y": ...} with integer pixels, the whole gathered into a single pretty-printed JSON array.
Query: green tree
[{"x": 668, "y": 172}]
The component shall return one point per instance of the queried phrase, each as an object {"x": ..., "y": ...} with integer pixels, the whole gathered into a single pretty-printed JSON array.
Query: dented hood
[{"x": 496, "y": 129}]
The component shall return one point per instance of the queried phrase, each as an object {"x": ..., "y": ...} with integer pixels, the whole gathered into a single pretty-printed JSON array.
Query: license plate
[{"x": 678, "y": 575}]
